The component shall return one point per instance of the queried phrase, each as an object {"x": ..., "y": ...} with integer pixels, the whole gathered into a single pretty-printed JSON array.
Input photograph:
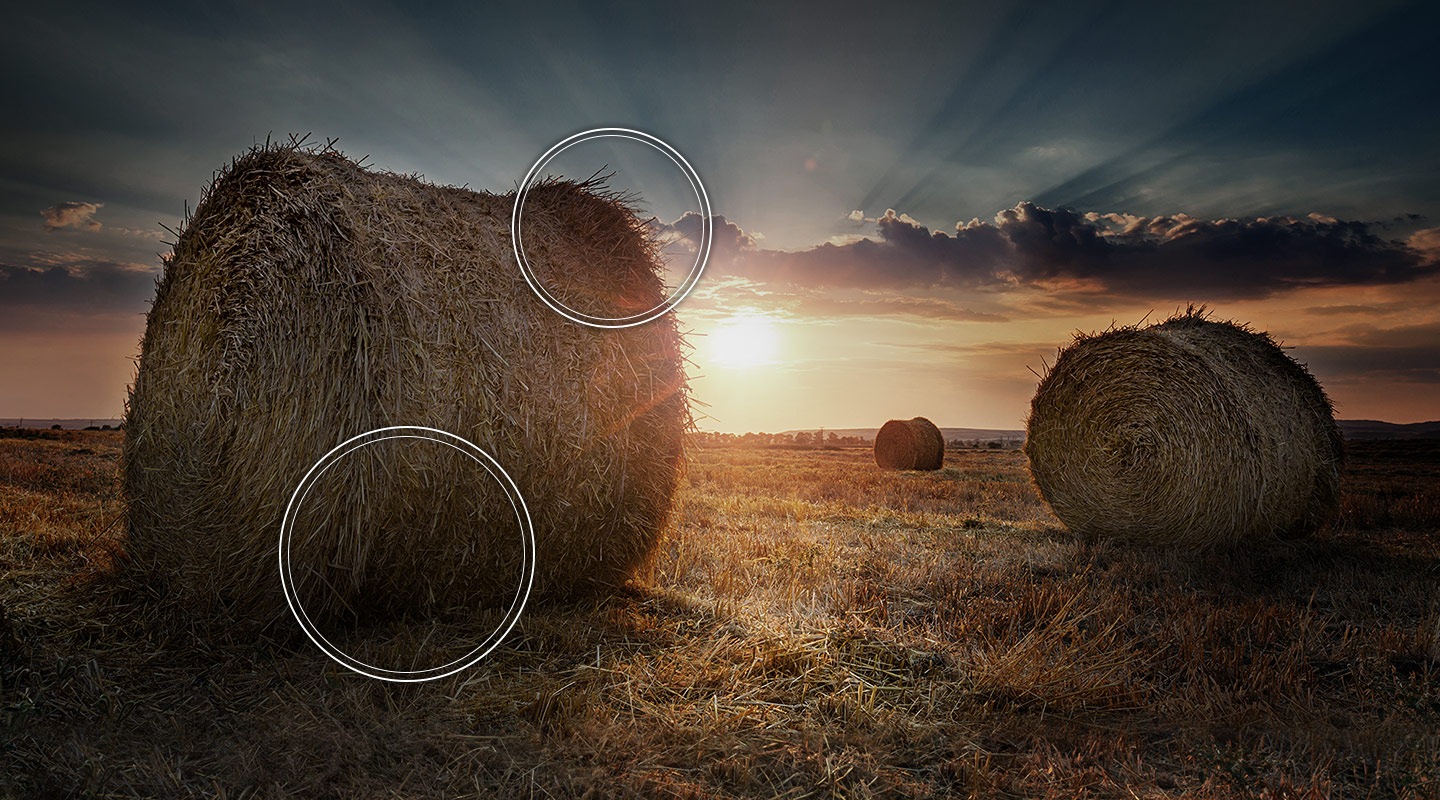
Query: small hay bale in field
[
  {"x": 1191, "y": 432},
  {"x": 310, "y": 300},
  {"x": 909, "y": 444}
]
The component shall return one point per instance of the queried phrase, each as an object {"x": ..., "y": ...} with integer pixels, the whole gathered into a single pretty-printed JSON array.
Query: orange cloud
[{"x": 71, "y": 214}]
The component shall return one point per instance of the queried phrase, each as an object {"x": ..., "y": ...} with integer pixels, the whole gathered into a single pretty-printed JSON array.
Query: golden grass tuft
[
  {"x": 910, "y": 444},
  {"x": 1191, "y": 432},
  {"x": 309, "y": 300}
]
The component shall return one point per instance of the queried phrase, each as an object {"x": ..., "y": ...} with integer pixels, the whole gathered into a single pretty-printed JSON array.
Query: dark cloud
[
  {"x": 1120, "y": 254},
  {"x": 1407, "y": 353},
  {"x": 727, "y": 239},
  {"x": 1416, "y": 364},
  {"x": 1374, "y": 310},
  {"x": 71, "y": 214},
  {"x": 31, "y": 295},
  {"x": 1421, "y": 335}
]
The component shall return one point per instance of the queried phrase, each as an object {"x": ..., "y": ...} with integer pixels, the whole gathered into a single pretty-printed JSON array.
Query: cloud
[
  {"x": 1372, "y": 309},
  {"x": 923, "y": 307},
  {"x": 1416, "y": 364},
  {"x": 71, "y": 214},
  {"x": 1406, "y": 353},
  {"x": 1118, "y": 254},
  {"x": 1425, "y": 334},
  {"x": 1426, "y": 242},
  {"x": 907, "y": 255},
  {"x": 1006, "y": 357},
  {"x": 727, "y": 239},
  {"x": 31, "y": 297},
  {"x": 859, "y": 218},
  {"x": 141, "y": 233}
]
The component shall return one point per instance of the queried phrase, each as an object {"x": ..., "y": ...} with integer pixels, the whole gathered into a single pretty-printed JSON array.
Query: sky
[{"x": 915, "y": 205}]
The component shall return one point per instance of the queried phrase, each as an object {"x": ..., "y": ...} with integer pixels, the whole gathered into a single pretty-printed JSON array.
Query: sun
[{"x": 743, "y": 341}]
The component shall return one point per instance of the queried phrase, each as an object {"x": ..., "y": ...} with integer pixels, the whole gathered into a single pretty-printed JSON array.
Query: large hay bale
[
  {"x": 1191, "y": 432},
  {"x": 909, "y": 444},
  {"x": 310, "y": 300}
]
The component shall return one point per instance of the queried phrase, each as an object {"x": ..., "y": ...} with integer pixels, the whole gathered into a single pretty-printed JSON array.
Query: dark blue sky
[{"x": 945, "y": 113}]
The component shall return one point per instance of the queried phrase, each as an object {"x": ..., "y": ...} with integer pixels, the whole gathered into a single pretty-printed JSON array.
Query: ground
[{"x": 810, "y": 627}]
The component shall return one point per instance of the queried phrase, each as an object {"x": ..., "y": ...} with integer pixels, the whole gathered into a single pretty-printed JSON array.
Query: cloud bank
[
  {"x": 32, "y": 297},
  {"x": 1119, "y": 254},
  {"x": 1408, "y": 353}
]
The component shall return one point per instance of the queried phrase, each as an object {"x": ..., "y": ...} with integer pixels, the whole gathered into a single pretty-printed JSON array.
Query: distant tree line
[
  {"x": 976, "y": 444},
  {"x": 799, "y": 439},
  {"x": 822, "y": 438}
]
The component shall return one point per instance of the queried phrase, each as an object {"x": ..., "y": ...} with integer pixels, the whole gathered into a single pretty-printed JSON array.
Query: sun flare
[{"x": 744, "y": 340}]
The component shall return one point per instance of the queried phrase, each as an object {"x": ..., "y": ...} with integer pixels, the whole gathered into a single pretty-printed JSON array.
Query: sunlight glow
[{"x": 744, "y": 341}]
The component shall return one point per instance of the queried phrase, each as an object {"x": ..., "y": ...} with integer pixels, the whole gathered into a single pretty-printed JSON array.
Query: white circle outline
[
  {"x": 476, "y": 454},
  {"x": 702, "y": 257},
  {"x": 306, "y": 493}
]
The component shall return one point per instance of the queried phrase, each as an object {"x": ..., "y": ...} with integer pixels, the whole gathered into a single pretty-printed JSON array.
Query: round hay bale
[
  {"x": 909, "y": 444},
  {"x": 309, "y": 300},
  {"x": 1190, "y": 432}
]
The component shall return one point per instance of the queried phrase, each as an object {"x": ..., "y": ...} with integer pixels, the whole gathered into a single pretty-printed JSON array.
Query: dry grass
[
  {"x": 811, "y": 626},
  {"x": 1392, "y": 484}
]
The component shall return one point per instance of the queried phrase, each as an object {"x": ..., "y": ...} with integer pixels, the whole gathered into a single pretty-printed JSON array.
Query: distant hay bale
[
  {"x": 310, "y": 300},
  {"x": 909, "y": 444},
  {"x": 1191, "y": 432}
]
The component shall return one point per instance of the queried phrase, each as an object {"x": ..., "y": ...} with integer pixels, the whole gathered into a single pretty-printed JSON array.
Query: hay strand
[
  {"x": 309, "y": 300},
  {"x": 1191, "y": 432},
  {"x": 909, "y": 444}
]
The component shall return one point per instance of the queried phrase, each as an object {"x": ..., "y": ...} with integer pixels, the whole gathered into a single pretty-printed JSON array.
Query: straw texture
[
  {"x": 1192, "y": 432},
  {"x": 309, "y": 300},
  {"x": 909, "y": 444}
]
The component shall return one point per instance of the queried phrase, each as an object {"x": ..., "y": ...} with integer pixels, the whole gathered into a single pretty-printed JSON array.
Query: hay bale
[
  {"x": 1191, "y": 432},
  {"x": 909, "y": 444},
  {"x": 309, "y": 300}
]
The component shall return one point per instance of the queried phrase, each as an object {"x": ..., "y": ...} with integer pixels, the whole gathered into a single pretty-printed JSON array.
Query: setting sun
[{"x": 746, "y": 340}]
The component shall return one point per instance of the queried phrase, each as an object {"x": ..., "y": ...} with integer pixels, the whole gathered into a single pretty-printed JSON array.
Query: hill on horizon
[{"x": 1375, "y": 429}]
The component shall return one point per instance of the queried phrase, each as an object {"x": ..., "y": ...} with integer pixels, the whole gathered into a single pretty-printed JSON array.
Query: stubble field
[{"x": 810, "y": 627}]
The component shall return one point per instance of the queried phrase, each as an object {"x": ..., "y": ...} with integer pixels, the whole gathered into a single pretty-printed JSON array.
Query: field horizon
[{"x": 1351, "y": 428}]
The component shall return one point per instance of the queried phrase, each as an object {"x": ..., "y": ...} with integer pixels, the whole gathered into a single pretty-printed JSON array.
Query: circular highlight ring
[
  {"x": 702, "y": 255},
  {"x": 522, "y": 516}
]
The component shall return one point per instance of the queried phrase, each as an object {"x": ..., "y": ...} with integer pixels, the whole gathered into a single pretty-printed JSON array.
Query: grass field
[{"x": 810, "y": 627}]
